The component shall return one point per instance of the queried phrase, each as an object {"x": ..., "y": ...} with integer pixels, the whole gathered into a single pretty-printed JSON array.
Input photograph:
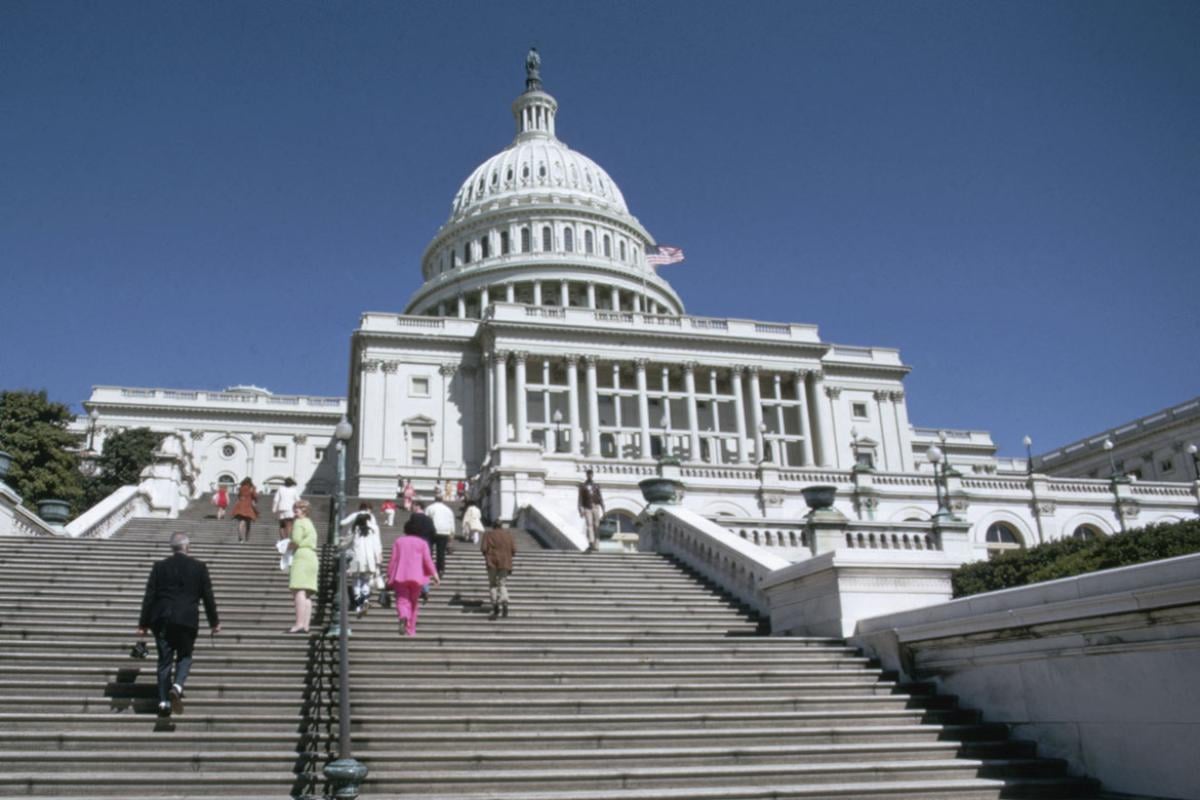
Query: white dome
[{"x": 538, "y": 167}]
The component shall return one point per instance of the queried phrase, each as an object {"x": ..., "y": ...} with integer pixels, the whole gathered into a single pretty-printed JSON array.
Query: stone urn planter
[
  {"x": 5, "y": 463},
  {"x": 606, "y": 529},
  {"x": 54, "y": 512},
  {"x": 819, "y": 498},
  {"x": 661, "y": 491}
]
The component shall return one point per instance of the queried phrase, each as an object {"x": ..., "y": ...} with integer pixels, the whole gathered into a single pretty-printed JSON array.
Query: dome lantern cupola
[{"x": 534, "y": 111}]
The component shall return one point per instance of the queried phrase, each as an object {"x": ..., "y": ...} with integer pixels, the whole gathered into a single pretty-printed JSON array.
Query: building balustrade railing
[
  {"x": 104, "y": 394},
  {"x": 108, "y": 516}
]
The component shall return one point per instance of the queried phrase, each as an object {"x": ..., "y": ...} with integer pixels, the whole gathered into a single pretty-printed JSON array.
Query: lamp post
[
  {"x": 1112, "y": 464},
  {"x": 1191, "y": 451},
  {"x": 558, "y": 430},
  {"x": 1114, "y": 479},
  {"x": 937, "y": 458},
  {"x": 945, "y": 451},
  {"x": 1037, "y": 511},
  {"x": 665, "y": 423},
  {"x": 93, "y": 415},
  {"x": 346, "y": 773}
]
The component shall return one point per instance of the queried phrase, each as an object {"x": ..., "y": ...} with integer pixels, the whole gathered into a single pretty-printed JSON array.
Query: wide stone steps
[{"x": 615, "y": 677}]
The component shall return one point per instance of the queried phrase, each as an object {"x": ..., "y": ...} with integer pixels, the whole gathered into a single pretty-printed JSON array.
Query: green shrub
[{"x": 1068, "y": 557}]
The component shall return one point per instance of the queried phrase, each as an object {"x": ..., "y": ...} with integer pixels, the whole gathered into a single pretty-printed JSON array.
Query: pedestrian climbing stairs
[
  {"x": 78, "y": 713},
  {"x": 615, "y": 677}
]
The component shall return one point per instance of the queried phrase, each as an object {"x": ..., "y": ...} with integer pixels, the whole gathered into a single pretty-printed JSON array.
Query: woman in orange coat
[{"x": 244, "y": 510}]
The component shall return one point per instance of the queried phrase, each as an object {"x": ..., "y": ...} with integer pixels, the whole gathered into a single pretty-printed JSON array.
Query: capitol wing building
[{"x": 542, "y": 344}]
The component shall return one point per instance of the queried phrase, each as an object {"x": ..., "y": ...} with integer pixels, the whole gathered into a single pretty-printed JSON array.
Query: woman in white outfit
[
  {"x": 366, "y": 556},
  {"x": 472, "y": 522},
  {"x": 283, "y": 504}
]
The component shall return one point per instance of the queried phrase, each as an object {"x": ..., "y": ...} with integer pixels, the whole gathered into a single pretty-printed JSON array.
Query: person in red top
[
  {"x": 221, "y": 500},
  {"x": 409, "y": 568},
  {"x": 245, "y": 510}
]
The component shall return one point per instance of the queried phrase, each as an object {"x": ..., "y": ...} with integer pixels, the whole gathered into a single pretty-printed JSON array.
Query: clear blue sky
[{"x": 205, "y": 194}]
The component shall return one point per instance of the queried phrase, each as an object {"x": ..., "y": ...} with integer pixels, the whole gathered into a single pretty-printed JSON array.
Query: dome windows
[
  {"x": 569, "y": 240},
  {"x": 525, "y": 172},
  {"x": 547, "y": 239},
  {"x": 526, "y": 240},
  {"x": 622, "y": 246},
  {"x": 485, "y": 247},
  {"x": 508, "y": 176},
  {"x": 504, "y": 245},
  {"x": 466, "y": 253},
  {"x": 607, "y": 246},
  {"x": 589, "y": 242}
]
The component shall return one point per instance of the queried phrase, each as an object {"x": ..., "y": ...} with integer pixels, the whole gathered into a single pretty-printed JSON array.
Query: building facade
[
  {"x": 244, "y": 431},
  {"x": 542, "y": 343}
]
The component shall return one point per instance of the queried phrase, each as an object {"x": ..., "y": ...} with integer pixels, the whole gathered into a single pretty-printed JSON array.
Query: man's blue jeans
[{"x": 175, "y": 644}]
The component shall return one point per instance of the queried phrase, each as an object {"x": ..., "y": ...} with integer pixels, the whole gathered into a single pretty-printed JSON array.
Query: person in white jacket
[
  {"x": 366, "y": 556},
  {"x": 285, "y": 500},
  {"x": 472, "y": 522}
]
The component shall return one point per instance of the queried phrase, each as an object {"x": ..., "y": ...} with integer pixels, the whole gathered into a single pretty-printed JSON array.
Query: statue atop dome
[{"x": 533, "y": 75}]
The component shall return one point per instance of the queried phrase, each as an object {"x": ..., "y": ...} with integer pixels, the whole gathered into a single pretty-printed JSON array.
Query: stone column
[
  {"x": 618, "y": 422},
  {"x": 739, "y": 411},
  {"x": 510, "y": 293},
  {"x": 718, "y": 446},
  {"x": 806, "y": 448},
  {"x": 756, "y": 414},
  {"x": 593, "y": 407},
  {"x": 522, "y": 404},
  {"x": 591, "y": 295},
  {"x": 485, "y": 300},
  {"x": 693, "y": 418},
  {"x": 500, "y": 382},
  {"x": 832, "y": 393},
  {"x": 904, "y": 441},
  {"x": 890, "y": 451},
  {"x": 822, "y": 435},
  {"x": 643, "y": 406},
  {"x": 564, "y": 295},
  {"x": 781, "y": 456},
  {"x": 489, "y": 402},
  {"x": 537, "y": 293},
  {"x": 616, "y": 299},
  {"x": 447, "y": 371},
  {"x": 573, "y": 401},
  {"x": 462, "y": 306}
]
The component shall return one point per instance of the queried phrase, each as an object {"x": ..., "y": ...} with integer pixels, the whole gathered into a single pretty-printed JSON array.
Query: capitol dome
[{"x": 542, "y": 224}]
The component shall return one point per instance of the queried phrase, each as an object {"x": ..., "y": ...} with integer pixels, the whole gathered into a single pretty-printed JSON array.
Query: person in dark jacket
[
  {"x": 169, "y": 608},
  {"x": 420, "y": 524},
  {"x": 498, "y": 548}
]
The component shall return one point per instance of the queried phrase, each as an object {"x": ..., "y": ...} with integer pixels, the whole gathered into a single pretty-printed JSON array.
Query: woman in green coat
[{"x": 302, "y": 580}]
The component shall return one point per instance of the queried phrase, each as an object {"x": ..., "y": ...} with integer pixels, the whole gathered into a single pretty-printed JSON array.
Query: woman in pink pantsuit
[{"x": 410, "y": 568}]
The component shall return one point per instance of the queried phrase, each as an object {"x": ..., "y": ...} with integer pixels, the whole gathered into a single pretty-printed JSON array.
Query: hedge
[{"x": 1068, "y": 557}]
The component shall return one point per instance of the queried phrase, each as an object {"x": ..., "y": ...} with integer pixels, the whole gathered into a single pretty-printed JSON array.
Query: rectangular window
[
  {"x": 280, "y": 451},
  {"x": 318, "y": 453},
  {"x": 503, "y": 243},
  {"x": 420, "y": 449},
  {"x": 485, "y": 249},
  {"x": 418, "y": 386},
  {"x": 859, "y": 410},
  {"x": 865, "y": 460},
  {"x": 1167, "y": 465}
]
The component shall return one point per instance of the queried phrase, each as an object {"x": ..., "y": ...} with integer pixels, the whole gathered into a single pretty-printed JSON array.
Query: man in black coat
[
  {"x": 420, "y": 524},
  {"x": 169, "y": 608}
]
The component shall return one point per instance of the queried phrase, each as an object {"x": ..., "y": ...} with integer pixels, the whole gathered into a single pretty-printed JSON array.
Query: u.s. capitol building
[{"x": 542, "y": 343}]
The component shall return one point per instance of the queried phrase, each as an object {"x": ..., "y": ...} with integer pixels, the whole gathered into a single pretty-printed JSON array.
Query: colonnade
[
  {"x": 554, "y": 293},
  {"x": 775, "y": 421}
]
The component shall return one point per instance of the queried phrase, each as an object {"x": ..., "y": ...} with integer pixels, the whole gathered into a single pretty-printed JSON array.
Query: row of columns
[
  {"x": 541, "y": 290},
  {"x": 807, "y": 384}
]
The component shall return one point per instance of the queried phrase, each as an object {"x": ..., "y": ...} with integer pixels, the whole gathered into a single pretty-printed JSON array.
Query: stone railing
[
  {"x": 551, "y": 528},
  {"x": 735, "y": 565},
  {"x": 109, "y": 515},
  {"x": 117, "y": 394},
  {"x": 16, "y": 520}
]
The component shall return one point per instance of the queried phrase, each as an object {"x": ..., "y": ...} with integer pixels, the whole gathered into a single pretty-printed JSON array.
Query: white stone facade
[
  {"x": 229, "y": 435},
  {"x": 1155, "y": 447},
  {"x": 542, "y": 344}
]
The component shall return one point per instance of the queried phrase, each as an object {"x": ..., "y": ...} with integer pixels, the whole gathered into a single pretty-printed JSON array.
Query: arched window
[
  {"x": 607, "y": 246},
  {"x": 547, "y": 239},
  {"x": 1087, "y": 532},
  {"x": 526, "y": 243},
  {"x": 466, "y": 252},
  {"x": 569, "y": 240},
  {"x": 622, "y": 249},
  {"x": 589, "y": 245},
  {"x": 1000, "y": 537},
  {"x": 503, "y": 243},
  {"x": 485, "y": 249}
]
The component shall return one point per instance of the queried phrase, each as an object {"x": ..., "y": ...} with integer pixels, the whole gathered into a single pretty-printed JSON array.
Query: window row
[{"x": 566, "y": 239}]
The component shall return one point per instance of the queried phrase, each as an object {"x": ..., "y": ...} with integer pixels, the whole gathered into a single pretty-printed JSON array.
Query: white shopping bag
[{"x": 285, "y": 558}]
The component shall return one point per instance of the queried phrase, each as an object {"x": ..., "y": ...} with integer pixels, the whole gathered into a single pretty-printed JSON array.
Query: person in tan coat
[
  {"x": 498, "y": 548},
  {"x": 245, "y": 510}
]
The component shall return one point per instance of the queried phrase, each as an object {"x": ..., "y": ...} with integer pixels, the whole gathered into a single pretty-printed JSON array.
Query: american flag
[{"x": 665, "y": 254}]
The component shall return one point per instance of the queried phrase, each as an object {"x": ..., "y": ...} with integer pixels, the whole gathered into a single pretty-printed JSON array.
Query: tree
[
  {"x": 126, "y": 453},
  {"x": 33, "y": 430}
]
